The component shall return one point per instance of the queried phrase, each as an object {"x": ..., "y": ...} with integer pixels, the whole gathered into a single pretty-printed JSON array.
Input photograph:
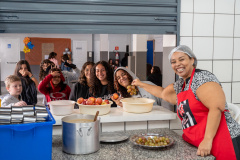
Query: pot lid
[{"x": 113, "y": 137}]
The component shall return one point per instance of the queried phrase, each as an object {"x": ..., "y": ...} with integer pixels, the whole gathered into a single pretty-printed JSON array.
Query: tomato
[{"x": 98, "y": 100}]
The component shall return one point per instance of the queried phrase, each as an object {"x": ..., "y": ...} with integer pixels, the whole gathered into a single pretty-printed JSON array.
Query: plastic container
[
  {"x": 61, "y": 107},
  {"x": 31, "y": 141},
  {"x": 137, "y": 105},
  {"x": 92, "y": 109}
]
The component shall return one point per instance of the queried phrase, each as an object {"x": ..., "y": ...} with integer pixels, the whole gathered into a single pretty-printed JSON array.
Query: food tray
[{"x": 134, "y": 138}]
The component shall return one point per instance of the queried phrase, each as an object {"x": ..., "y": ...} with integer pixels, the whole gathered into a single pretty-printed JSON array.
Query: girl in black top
[
  {"x": 101, "y": 84},
  {"x": 81, "y": 88},
  {"x": 155, "y": 76},
  {"x": 29, "y": 83}
]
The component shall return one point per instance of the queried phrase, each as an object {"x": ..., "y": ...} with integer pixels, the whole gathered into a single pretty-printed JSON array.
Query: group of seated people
[{"x": 94, "y": 80}]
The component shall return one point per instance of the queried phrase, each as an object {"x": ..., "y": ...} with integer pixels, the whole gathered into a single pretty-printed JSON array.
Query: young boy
[{"x": 14, "y": 87}]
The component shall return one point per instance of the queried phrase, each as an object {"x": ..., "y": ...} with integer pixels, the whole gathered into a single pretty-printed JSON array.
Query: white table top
[{"x": 117, "y": 114}]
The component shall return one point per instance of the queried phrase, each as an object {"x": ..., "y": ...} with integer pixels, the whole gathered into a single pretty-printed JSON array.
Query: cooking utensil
[
  {"x": 95, "y": 118},
  {"x": 28, "y": 113},
  {"x": 6, "y": 109},
  {"x": 80, "y": 138},
  {"x": 113, "y": 137},
  {"x": 28, "y": 108},
  {"x": 137, "y": 105},
  {"x": 29, "y": 119},
  {"x": 40, "y": 107},
  {"x": 5, "y": 118},
  {"x": 134, "y": 138},
  {"x": 17, "y": 109},
  {"x": 92, "y": 109},
  {"x": 41, "y": 115}
]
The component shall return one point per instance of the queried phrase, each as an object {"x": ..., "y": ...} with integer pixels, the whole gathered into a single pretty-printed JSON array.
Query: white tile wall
[
  {"x": 203, "y": 25},
  {"x": 236, "y": 71},
  {"x": 223, "y": 25},
  {"x": 136, "y": 125},
  {"x": 223, "y": 48},
  {"x": 237, "y": 26},
  {"x": 186, "y": 41},
  {"x": 235, "y": 92},
  {"x": 187, "y": 6},
  {"x": 236, "y": 53},
  {"x": 218, "y": 20},
  {"x": 205, "y": 65},
  {"x": 237, "y": 7},
  {"x": 224, "y": 6},
  {"x": 201, "y": 7},
  {"x": 223, "y": 70},
  {"x": 186, "y": 24},
  {"x": 111, "y": 127},
  {"x": 203, "y": 47},
  {"x": 158, "y": 124},
  {"x": 227, "y": 88}
]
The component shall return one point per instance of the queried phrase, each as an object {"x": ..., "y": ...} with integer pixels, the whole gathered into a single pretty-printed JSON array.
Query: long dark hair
[
  {"x": 52, "y": 55},
  {"x": 156, "y": 69},
  {"x": 61, "y": 84},
  {"x": 120, "y": 89},
  {"x": 18, "y": 67},
  {"x": 95, "y": 83},
  {"x": 82, "y": 78},
  {"x": 42, "y": 73}
]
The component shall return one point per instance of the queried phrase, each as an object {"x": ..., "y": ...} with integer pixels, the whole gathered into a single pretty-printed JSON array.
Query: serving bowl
[
  {"x": 61, "y": 107},
  {"x": 92, "y": 109},
  {"x": 137, "y": 105}
]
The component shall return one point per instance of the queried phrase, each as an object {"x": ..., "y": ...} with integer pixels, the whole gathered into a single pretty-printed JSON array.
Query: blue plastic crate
[{"x": 30, "y": 141}]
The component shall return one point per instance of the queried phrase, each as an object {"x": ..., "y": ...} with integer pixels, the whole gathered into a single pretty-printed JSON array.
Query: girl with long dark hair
[
  {"x": 101, "y": 84},
  {"x": 29, "y": 82}
]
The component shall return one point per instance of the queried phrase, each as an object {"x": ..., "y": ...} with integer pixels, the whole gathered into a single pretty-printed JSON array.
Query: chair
[{"x": 234, "y": 111}]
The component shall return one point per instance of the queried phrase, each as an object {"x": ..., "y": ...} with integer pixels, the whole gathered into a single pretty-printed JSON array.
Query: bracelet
[{"x": 31, "y": 76}]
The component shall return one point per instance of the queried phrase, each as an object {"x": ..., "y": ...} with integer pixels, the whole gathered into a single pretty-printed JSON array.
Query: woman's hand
[
  {"x": 137, "y": 82},
  {"x": 204, "y": 147},
  {"x": 117, "y": 101}
]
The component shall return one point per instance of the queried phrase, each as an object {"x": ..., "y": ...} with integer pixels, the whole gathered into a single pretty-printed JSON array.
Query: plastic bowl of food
[
  {"x": 137, "y": 105},
  {"x": 92, "y": 109},
  {"x": 61, "y": 107}
]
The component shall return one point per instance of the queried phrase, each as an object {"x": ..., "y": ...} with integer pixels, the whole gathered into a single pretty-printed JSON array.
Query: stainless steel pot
[{"x": 80, "y": 138}]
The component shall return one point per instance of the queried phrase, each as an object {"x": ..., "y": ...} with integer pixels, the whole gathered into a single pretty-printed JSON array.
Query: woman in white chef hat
[{"x": 201, "y": 107}]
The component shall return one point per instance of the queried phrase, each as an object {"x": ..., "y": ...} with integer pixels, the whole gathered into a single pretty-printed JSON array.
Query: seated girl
[
  {"x": 81, "y": 88},
  {"x": 101, "y": 84},
  {"x": 123, "y": 78},
  {"x": 52, "y": 86},
  {"x": 29, "y": 82}
]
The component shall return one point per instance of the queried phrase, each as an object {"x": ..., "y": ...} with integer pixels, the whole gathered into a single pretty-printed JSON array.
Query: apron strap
[{"x": 190, "y": 80}]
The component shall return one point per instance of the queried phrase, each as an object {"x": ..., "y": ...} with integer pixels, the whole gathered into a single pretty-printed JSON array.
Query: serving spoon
[{"x": 95, "y": 118}]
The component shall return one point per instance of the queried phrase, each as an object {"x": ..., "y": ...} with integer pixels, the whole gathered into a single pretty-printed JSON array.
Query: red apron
[{"x": 193, "y": 115}]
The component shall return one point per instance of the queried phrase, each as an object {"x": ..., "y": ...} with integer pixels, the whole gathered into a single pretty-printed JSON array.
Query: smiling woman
[
  {"x": 201, "y": 106},
  {"x": 101, "y": 84}
]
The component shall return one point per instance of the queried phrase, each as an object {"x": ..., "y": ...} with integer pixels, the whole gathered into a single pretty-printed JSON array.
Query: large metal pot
[{"x": 80, "y": 138}]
